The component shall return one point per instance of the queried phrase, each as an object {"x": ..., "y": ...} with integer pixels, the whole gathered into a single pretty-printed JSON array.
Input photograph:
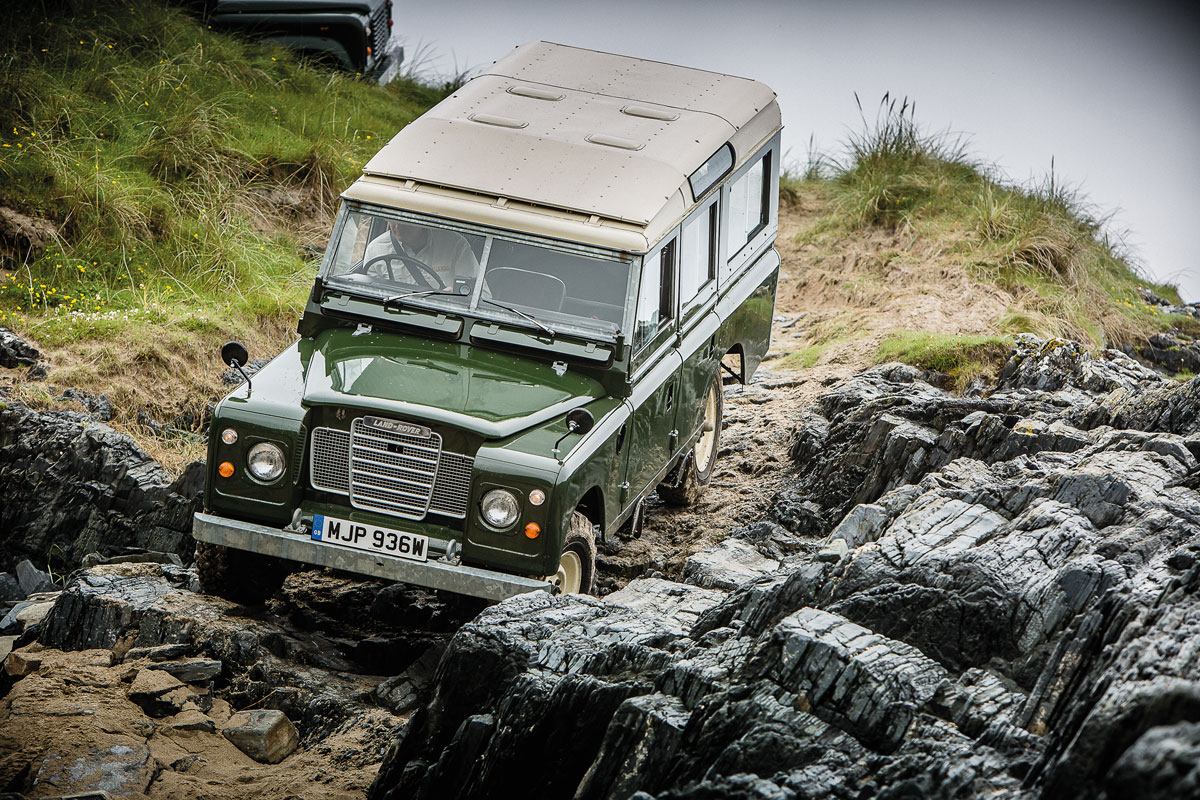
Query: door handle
[{"x": 670, "y": 396}]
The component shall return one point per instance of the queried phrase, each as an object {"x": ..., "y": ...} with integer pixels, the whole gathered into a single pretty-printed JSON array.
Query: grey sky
[{"x": 1111, "y": 91}]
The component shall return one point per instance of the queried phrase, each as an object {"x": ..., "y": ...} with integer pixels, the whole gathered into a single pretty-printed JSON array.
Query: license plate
[{"x": 370, "y": 538}]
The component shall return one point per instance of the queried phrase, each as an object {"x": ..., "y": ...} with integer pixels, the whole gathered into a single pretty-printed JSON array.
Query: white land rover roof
[{"x": 570, "y": 143}]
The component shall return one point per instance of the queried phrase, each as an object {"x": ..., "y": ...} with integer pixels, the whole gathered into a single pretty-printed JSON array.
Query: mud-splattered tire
[
  {"x": 699, "y": 464},
  {"x": 577, "y": 564},
  {"x": 236, "y": 575}
]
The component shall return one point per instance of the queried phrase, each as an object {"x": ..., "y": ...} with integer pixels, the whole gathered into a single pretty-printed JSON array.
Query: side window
[
  {"x": 747, "y": 206},
  {"x": 656, "y": 298},
  {"x": 697, "y": 265}
]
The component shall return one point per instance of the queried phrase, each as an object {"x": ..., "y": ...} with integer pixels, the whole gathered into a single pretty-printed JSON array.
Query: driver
[{"x": 446, "y": 252}]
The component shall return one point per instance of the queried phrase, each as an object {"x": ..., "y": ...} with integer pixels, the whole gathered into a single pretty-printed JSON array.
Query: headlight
[
  {"x": 265, "y": 461},
  {"x": 499, "y": 508}
]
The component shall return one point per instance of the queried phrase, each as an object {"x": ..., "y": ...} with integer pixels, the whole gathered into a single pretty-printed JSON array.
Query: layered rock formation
[
  {"x": 72, "y": 486},
  {"x": 1007, "y": 606}
]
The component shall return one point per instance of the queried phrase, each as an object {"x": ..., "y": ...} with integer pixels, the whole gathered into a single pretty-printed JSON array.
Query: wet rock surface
[
  {"x": 1011, "y": 611},
  {"x": 992, "y": 595},
  {"x": 72, "y": 486}
]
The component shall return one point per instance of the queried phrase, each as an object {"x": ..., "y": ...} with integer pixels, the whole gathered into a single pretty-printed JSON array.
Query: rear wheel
[
  {"x": 577, "y": 565},
  {"x": 237, "y": 575},
  {"x": 697, "y": 468}
]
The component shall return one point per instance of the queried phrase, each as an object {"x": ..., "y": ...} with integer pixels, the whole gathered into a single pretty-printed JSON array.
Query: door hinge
[
  {"x": 674, "y": 440},
  {"x": 624, "y": 487}
]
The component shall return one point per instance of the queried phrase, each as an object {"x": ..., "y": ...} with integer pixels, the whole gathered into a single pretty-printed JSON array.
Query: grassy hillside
[
  {"x": 909, "y": 215},
  {"x": 190, "y": 176},
  {"x": 190, "y": 179}
]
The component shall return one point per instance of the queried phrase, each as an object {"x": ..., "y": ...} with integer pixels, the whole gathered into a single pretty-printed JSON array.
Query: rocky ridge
[{"x": 1011, "y": 612}]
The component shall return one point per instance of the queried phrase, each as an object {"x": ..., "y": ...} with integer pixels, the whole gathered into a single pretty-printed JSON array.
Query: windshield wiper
[
  {"x": 417, "y": 293},
  {"x": 549, "y": 331}
]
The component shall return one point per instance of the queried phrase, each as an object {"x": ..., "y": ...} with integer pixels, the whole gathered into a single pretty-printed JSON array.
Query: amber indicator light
[
  {"x": 225, "y": 470},
  {"x": 533, "y": 530}
]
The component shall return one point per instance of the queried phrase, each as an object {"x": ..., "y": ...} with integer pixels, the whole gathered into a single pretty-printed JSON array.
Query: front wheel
[
  {"x": 577, "y": 565},
  {"x": 698, "y": 465},
  {"x": 237, "y": 575}
]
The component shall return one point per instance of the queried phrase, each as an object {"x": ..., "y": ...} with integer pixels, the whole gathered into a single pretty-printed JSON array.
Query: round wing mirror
[
  {"x": 234, "y": 354},
  {"x": 580, "y": 421}
]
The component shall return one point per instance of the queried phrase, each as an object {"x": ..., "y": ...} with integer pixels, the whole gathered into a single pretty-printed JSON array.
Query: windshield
[{"x": 418, "y": 261}]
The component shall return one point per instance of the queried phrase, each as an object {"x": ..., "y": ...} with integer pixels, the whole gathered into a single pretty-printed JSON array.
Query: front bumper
[{"x": 433, "y": 574}]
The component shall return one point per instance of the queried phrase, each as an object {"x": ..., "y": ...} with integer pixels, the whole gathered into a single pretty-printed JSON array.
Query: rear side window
[
  {"x": 656, "y": 296},
  {"x": 747, "y": 206},
  {"x": 697, "y": 263}
]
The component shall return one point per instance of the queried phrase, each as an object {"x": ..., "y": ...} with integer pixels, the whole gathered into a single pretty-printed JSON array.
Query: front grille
[
  {"x": 453, "y": 487},
  {"x": 329, "y": 464},
  {"x": 392, "y": 472},
  {"x": 380, "y": 32}
]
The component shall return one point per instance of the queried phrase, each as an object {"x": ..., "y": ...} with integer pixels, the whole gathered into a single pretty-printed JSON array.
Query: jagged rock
[
  {"x": 1163, "y": 764},
  {"x": 97, "y": 404},
  {"x": 196, "y": 670},
  {"x": 1011, "y": 614},
  {"x": 15, "y": 351},
  {"x": 34, "y": 580},
  {"x": 160, "y": 652},
  {"x": 401, "y": 693},
  {"x": 727, "y": 565},
  {"x": 145, "y": 610},
  {"x": 1057, "y": 363},
  {"x": 161, "y": 694},
  {"x": 266, "y": 735},
  {"x": 1172, "y": 351},
  {"x": 231, "y": 377},
  {"x": 77, "y": 486},
  {"x": 10, "y": 588},
  {"x": 1169, "y": 407}
]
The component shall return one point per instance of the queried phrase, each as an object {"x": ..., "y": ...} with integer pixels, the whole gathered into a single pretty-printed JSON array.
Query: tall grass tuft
[{"x": 1066, "y": 270}]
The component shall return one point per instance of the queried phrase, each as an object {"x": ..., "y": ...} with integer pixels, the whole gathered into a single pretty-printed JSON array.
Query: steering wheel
[{"x": 417, "y": 268}]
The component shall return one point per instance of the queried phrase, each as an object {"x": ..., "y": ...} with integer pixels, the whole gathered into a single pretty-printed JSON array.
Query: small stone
[
  {"x": 15, "y": 351},
  {"x": 18, "y": 664},
  {"x": 33, "y": 613},
  {"x": 192, "y": 719},
  {"x": 833, "y": 551},
  {"x": 158, "y": 693},
  {"x": 33, "y": 579},
  {"x": 266, "y": 735},
  {"x": 191, "y": 671},
  {"x": 161, "y": 652}
]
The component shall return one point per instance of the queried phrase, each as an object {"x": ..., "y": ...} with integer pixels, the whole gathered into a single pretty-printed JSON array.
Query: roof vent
[
  {"x": 615, "y": 141},
  {"x": 503, "y": 122},
  {"x": 647, "y": 112},
  {"x": 535, "y": 93}
]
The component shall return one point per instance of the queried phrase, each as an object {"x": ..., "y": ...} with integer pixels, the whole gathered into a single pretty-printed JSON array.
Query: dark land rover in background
[{"x": 352, "y": 34}]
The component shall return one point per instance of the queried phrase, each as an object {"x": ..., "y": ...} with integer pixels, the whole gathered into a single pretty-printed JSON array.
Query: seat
[{"x": 527, "y": 288}]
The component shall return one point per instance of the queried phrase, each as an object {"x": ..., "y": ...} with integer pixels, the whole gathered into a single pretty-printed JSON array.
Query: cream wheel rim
[
  {"x": 570, "y": 573},
  {"x": 708, "y": 439}
]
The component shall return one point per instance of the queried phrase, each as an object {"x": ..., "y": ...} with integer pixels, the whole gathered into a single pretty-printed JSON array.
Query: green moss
[{"x": 961, "y": 357}]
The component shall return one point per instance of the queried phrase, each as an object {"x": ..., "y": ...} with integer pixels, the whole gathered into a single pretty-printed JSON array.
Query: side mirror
[
  {"x": 580, "y": 420},
  {"x": 235, "y": 354}
]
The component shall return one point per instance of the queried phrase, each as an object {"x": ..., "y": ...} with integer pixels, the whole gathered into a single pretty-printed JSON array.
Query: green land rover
[{"x": 518, "y": 332}]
